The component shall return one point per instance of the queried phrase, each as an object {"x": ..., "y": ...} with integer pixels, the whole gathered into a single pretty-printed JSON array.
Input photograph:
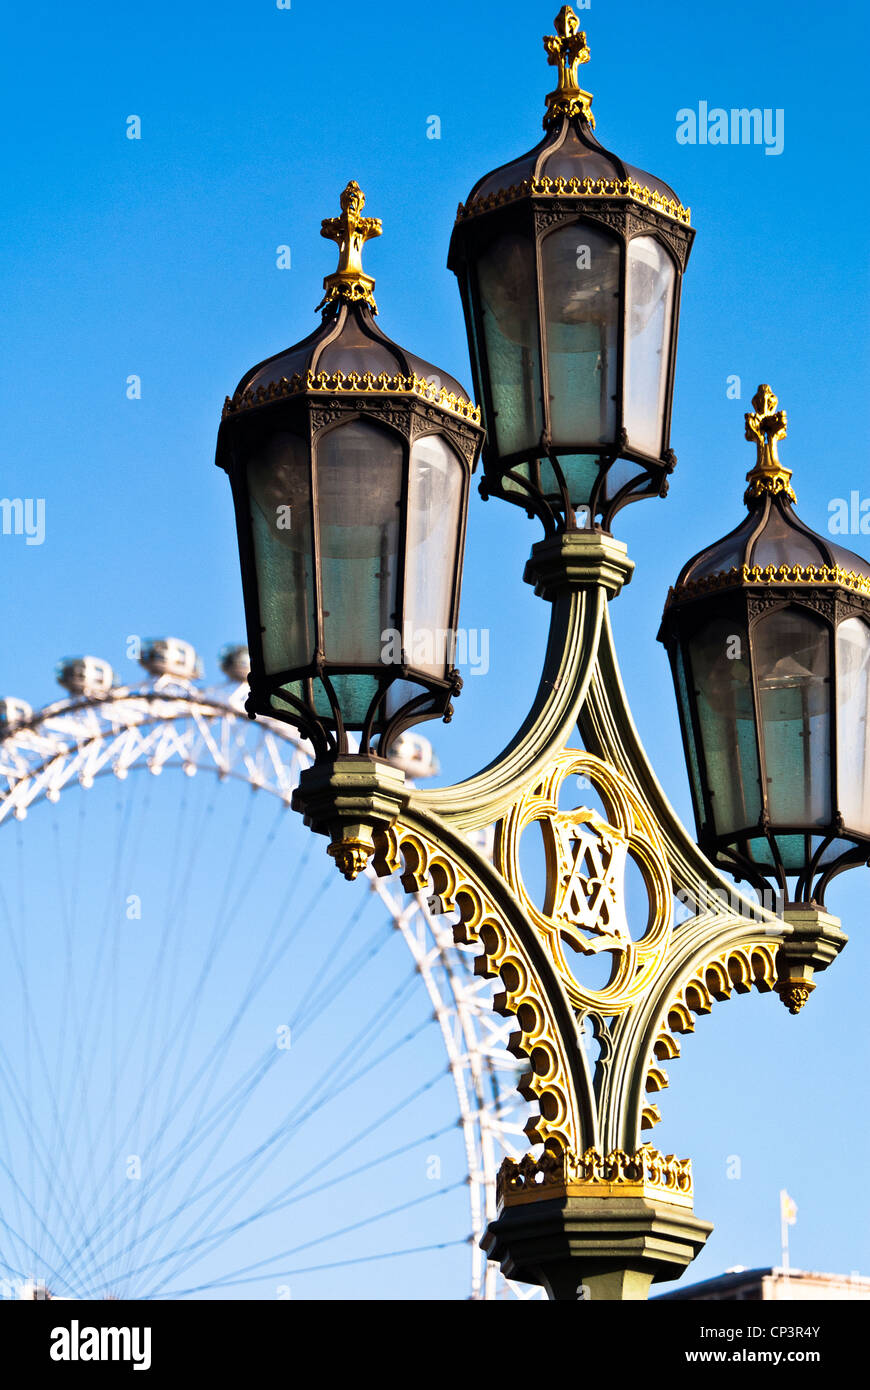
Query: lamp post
[{"x": 569, "y": 263}]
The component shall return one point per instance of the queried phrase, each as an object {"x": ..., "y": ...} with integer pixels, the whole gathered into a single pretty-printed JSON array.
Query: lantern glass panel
[
  {"x": 685, "y": 710},
  {"x": 580, "y": 265},
  {"x": 359, "y": 493},
  {"x": 726, "y": 717},
  {"x": 651, "y": 277},
  {"x": 509, "y": 307},
  {"x": 280, "y": 507},
  {"x": 434, "y": 518},
  {"x": 853, "y": 723},
  {"x": 793, "y": 673}
]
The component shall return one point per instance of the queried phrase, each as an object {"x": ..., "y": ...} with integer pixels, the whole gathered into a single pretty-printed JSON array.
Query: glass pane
[
  {"x": 434, "y": 512},
  {"x": 359, "y": 490},
  {"x": 688, "y": 728},
  {"x": 792, "y": 658},
  {"x": 720, "y": 668},
  {"x": 650, "y": 309},
  {"x": 279, "y": 492},
  {"x": 580, "y": 266},
  {"x": 853, "y": 728},
  {"x": 581, "y": 474},
  {"x": 509, "y": 307}
]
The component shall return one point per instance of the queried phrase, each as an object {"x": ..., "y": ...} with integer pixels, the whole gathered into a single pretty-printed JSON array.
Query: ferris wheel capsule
[
  {"x": 85, "y": 675},
  {"x": 235, "y": 661},
  {"x": 170, "y": 656},
  {"x": 13, "y": 713},
  {"x": 414, "y": 755}
]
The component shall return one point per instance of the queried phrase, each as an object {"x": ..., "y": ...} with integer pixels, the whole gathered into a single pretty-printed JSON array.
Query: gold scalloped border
[
  {"x": 578, "y": 188},
  {"x": 646, "y": 1173},
  {"x": 426, "y": 868},
  {"x": 336, "y": 383},
  {"x": 738, "y": 968},
  {"x": 772, "y": 574}
]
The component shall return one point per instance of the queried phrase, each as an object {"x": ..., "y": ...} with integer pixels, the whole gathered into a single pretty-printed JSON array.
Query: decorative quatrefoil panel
[{"x": 587, "y": 857}]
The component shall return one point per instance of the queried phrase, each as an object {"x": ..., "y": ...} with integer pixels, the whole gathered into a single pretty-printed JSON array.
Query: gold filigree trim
[
  {"x": 737, "y": 969},
  {"x": 427, "y": 869},
  {"x": 765, "y": 427},
  {"x": 586, "y": 861},
  {"x": 566, "y": 50},
  {"x": 646, "y": 1173},
  {"x": 337, "y": 383},
  {"x": 578, "y": 188},
  {"x": 772, "y": 574}
]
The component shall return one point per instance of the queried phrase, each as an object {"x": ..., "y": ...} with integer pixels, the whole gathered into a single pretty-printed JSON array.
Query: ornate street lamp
[
  {"x": 768, "y": 632},
  {"x": 569, "y": 263},
  {"x": 350, "y": 461}
]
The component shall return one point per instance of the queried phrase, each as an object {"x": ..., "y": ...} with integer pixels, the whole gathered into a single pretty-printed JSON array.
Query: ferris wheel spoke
[
  {"x": 317, "y": 1097},
  {"x": 56, "y": 1168},
  {"x": 330, "y": 1264},
  {"x": 333, "y": 1235},
  {"x": 282, "y": 1200}
]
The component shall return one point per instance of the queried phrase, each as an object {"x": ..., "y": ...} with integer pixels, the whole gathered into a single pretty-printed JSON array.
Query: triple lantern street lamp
[{"x": 350, "y": 460}]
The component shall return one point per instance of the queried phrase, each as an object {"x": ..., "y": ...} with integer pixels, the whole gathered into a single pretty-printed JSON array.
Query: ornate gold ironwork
[
  {"x": 578, "y": 188},
  {"x": 764, "y": 428},
  {"x": 351, "y": 856},
  {"x": 646, "y": 1173},
  {"x": 337, "y": 383},
  {"x": 586, "y": 858},
  {"x": 737, "y": 969},
  {"x": 794, "y": 994},
  {"x": 426, "y": 867},
  {"x": 350, "y": 232},
  {"x": 812, "y": 575},
  {"x": 566, "y": 50}
]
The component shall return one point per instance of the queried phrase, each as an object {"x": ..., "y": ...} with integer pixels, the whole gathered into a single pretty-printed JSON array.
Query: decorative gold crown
[
  {"x": 350, "y": 231},
  {"x": 567, "y": 49},
  {"x": 764, "y": 428}
]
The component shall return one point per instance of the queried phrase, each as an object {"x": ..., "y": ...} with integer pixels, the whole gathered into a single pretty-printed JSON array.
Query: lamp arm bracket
[{"x": 577, "y": 572}]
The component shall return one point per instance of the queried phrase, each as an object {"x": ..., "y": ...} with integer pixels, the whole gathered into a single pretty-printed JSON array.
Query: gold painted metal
[
  {"x": 737, "y": 969},
  {"x": 773, "y": 574},
  {"x": 646, "y": 1173},
  {"x": 351, "y": 855},
  {"x": 764, "y": 428},
  {"x": 426, "y": 867},
  {"x": 337, "y": 383},
  {"x": 578, "y": 188},
  {"x": 567, "y": 49},
  {"x": 586, "y": 860},
  {"x": 350, "y": 232}
]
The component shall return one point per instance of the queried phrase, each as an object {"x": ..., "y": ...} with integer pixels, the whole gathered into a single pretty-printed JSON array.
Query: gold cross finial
[
  {"x": 350, "y": 231},
  {"x": 764, "y": 428},
  {"x": 566, "y": 49}
]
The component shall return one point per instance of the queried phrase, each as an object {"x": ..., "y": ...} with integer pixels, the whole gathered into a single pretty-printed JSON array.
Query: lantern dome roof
[
  {"x": 771, "y": 544},
  {"x": 349, "y": 351},
  {"x": 569, "y": 159}
]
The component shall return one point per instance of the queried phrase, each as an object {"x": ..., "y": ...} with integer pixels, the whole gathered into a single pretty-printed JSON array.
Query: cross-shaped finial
[
  {"x": 764, "y": 428},
  {"x": 350, "y": 231},
  {"x": 566, "y": 49}
]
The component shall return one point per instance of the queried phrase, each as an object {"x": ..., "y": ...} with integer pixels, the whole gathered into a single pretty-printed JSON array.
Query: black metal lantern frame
[
  {"x": 829, "y": 848},
  {"x": 535, "y": 217},
  {"x": 309, "y": 410}
]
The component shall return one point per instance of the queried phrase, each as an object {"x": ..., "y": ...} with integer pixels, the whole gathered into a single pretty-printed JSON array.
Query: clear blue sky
[{"x": 157, "y": 257}]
